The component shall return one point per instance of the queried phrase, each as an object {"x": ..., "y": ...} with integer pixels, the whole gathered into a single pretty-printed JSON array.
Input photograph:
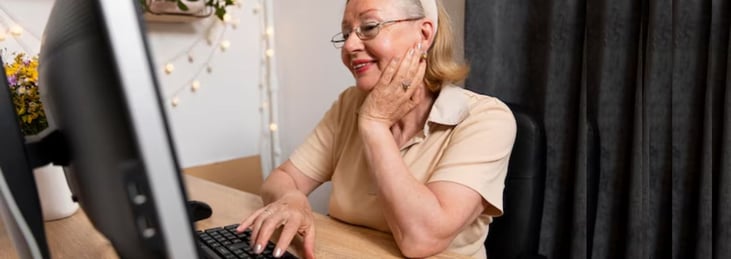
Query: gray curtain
[{"x": 635, "y": 100}]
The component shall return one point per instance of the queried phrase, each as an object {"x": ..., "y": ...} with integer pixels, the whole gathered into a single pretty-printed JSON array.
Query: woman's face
[{"x": 367, "y": 59}]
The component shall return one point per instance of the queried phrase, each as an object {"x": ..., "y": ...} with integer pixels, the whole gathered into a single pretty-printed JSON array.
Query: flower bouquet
[{"x": 22, "y": 74}]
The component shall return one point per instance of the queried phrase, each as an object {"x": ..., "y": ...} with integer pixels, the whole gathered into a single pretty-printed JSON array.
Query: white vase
[{"x": 54, "y": 192}]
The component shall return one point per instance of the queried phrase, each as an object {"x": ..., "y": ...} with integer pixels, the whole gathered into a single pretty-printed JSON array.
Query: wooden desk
[{"x": 74, "y": 237}]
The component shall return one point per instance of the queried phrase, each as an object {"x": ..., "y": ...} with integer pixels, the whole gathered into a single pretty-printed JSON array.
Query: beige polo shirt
[{"x": 467, "y": 140}]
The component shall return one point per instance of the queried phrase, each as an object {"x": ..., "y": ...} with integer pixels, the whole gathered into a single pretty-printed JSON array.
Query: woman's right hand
[{"x": 293, "y": 213}]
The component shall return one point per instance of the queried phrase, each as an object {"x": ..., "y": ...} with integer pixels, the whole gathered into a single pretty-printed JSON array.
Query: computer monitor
[{"x": 106, "y": 111}]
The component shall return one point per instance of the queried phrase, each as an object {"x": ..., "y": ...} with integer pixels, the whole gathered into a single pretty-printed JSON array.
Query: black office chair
[{"x": 515, "y": 234}]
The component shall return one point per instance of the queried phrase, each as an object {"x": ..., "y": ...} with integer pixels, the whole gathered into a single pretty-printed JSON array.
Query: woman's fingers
[
  {"x": 417, "y": 80},
  {"x": 268, "y": 226},
  {"x": 390, "y": 71},
  {"x": 246, "y": 223},
  {"x": 265, "y": 221},
  {"x": 289, "y": 230},
  {"x": 402, "y": 76},
  {"x": 309, "y": 242}
]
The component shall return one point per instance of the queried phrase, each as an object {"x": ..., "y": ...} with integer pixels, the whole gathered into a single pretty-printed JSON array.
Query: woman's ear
[{"x": 427, "y": 33}]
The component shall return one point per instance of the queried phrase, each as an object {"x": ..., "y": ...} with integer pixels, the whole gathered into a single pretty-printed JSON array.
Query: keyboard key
[{"x": 238, "y": 246}]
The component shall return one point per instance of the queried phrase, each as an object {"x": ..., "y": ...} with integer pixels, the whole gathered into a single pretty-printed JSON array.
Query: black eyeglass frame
[{"x": 338, "y": 43}]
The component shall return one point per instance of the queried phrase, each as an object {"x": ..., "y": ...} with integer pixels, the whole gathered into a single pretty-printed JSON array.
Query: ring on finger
[{"x": 405, "y": 84}]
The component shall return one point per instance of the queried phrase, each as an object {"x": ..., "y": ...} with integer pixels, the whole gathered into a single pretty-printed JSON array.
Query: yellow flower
[{"x": 22, "y": 74}]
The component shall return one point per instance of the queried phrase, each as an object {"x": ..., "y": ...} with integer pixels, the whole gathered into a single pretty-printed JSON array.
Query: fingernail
[
  {"x": 411, "y": 52},
  {"x": 418, "y": 46},
  {"x": 257, "y": 248},
  {"x": 277, "y": 252}
]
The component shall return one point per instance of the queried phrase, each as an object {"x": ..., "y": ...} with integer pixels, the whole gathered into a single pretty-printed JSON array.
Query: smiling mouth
[{"x": 362, "y": 66}]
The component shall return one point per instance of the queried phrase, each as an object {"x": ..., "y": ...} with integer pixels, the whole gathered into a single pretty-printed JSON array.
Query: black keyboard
[{"x": 224, "y": 242}]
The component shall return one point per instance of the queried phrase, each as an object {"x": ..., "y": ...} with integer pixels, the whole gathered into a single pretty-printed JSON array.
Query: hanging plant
[{"x": 219, "y": 6}]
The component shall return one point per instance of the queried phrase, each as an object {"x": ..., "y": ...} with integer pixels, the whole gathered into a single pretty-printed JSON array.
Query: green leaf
[
  {"x": 220, "y": 12},
  {"x": 182, "y": 6}
]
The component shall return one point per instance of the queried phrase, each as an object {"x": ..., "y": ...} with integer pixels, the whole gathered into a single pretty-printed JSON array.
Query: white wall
[
  {"x": 219, "y": 122},
  {"x": 310, "y": 71}
]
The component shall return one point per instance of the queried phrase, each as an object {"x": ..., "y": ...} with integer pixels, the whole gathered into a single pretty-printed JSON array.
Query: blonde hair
[{"x": 441, "y": 66}]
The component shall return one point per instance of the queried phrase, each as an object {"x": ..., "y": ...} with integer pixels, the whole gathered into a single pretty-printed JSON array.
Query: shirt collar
[{"x": 451, "y": 106}]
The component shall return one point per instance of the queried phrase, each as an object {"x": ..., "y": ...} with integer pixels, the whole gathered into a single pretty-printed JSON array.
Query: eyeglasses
[{"x": 365, "y": 31}]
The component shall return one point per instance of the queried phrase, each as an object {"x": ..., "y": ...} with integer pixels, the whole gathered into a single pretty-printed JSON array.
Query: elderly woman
[{"x": 407, "y": 152}]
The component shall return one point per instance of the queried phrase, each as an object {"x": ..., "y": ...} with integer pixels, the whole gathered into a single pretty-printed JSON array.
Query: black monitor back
[
  {"x": 17, "y": 175},
  {"x": 86, "y": 83}
]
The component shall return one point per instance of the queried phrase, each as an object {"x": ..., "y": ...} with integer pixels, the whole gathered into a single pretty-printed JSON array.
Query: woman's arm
[
  {"x": 286, "y": 178},
  {"x": 424, "y": 219},
  {"x": 284, "y": 194}
]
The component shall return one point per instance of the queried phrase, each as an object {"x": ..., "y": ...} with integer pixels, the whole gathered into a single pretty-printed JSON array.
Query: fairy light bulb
[
  {"x": 270, "y": 53},
  {"x": 175, "y": 102},
  {"x": 273, "y": 127},
  {"x": 2, "y": 36},
  {"x": 195, "y": 85},
  {"x": 169, "y": 68},
  {"x": 226, "y": 18},
  {"x": 225, "y": 45},
  {"x": 270, "y": 31},
  {"x": 16, "y": 31}
]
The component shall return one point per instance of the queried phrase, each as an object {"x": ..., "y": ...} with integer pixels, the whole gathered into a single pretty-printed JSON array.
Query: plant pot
[{"x": 54, "y": 193}]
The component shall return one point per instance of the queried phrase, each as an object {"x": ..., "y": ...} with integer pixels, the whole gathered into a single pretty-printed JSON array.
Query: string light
[
  {"x": 2, "y": 36},
  {"x": 16, "y": 31},
  {"x": 195, "y": 85},
  {"x": 169, "y": 68},
  {"x": 270, "y": 141},
  {"x": 270, "y": 31},
  {"x": 225, "y": 44}
]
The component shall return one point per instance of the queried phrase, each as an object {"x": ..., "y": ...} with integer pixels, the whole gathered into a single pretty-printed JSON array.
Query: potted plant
[{"x": 53, "y": 191}]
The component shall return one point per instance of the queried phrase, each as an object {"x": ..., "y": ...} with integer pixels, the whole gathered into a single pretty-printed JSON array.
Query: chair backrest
[{"x": 515, "y": 234}]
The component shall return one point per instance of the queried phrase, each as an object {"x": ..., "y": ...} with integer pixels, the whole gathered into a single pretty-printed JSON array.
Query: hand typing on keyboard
[
  {"x": 225, "y": 243},
  {"x": 292, "y": 213}
]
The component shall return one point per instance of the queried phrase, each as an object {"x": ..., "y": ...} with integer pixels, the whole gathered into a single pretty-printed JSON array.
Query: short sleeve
[
  {"x": 316, "y": 157},
  {"x": 478, "y": 153}
]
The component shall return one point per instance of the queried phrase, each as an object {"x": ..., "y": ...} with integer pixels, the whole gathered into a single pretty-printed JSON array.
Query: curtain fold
[{"x": 635, "y": 102}]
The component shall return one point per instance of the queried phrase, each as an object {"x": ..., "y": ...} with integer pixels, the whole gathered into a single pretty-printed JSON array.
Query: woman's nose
[{"x": 352, "y": 43}]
